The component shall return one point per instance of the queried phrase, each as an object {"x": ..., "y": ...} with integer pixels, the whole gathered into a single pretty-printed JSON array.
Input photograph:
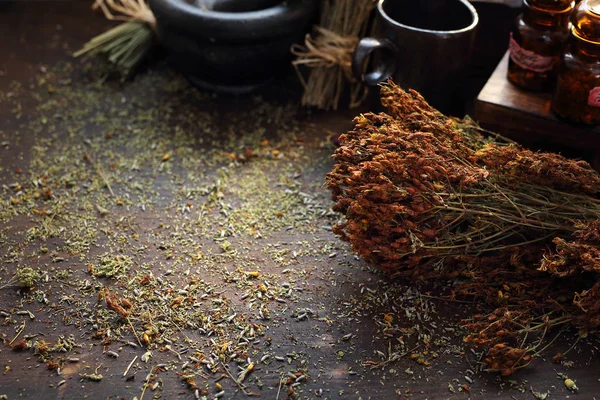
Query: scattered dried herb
[
  {"x": 26, "y": 276},
  {"x": 141, "y": 224}
]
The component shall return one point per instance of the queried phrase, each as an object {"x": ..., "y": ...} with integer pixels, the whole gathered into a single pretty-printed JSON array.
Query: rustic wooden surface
[
  {"x": 37, "y": 35},
  {"x": 526, "y": 116}
]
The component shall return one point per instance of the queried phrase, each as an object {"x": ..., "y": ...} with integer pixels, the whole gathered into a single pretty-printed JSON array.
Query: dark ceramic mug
[{"x": 425, "y": 45}]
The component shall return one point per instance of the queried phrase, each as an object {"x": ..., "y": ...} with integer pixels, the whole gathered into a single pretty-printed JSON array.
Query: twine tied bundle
[
  {"x": 327, "y": 49},
  {"x": 127, "y": 44},
  {"x": 328, "y": 53}
]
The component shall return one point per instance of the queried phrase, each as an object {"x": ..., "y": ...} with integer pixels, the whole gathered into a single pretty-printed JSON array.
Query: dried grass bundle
[
  {"x": 328, "y": 54},
  {"x": 125, "y": 45}
]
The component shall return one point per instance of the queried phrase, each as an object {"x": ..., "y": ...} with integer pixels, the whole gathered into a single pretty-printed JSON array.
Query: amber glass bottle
[
  {"x": 536, "y": 43},
  {"x": 577, "y": 94}
]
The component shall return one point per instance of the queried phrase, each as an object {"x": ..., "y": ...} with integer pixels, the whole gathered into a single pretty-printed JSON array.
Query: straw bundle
[
  {"x": 125, "y": 45},
  {"x": 328, "y": 51}
]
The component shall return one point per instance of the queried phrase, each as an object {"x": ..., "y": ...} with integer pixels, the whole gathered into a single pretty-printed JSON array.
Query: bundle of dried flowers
[{"x": 425, "y": 195}]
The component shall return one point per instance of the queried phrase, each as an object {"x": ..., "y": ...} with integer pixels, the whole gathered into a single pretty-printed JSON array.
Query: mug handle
[{"x": 387, "y": 66}]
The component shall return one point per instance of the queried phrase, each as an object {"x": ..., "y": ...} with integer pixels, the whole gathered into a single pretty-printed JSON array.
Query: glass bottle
[
  {"x": 577, "y": 94},
  {"x": 536, "y": 43}
]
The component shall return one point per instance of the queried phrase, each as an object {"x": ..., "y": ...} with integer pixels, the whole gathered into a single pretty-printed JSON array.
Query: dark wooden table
[{"x": 219, "y": 202}]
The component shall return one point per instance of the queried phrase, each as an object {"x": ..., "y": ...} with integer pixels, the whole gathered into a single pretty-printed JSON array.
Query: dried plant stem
[
  {"x": 572, "y": 346},
  {"x": 515, "y": 216},
  {"x": 144, "y": 388},
  {"x": 129, "y": 366},
  {"x": 100, "y": 173},
  {"x": 392, "y": 357},
  {"x": 281, "y": 380},
  {"x": 18, "y": 333},
  {"x": 237, "y": 382},
  {"x": 10, "y": 282},
  {"x": 134, "y": 332}
]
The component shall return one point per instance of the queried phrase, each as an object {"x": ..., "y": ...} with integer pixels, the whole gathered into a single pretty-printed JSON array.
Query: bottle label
[
  {"x": 594, "y": 97},
  {"x": 527, "y": 59}
]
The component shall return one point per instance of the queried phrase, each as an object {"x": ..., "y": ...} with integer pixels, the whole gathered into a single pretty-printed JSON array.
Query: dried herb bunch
[
  {"x": 425, "y": 195},
  {"x": 418, "y": 187},
  {"x": 126, "y": 45},
  {"x": 328, "y": 52}
]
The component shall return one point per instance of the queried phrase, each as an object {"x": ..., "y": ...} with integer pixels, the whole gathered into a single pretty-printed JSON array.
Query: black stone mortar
[{"x": 232, "y": 46}]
